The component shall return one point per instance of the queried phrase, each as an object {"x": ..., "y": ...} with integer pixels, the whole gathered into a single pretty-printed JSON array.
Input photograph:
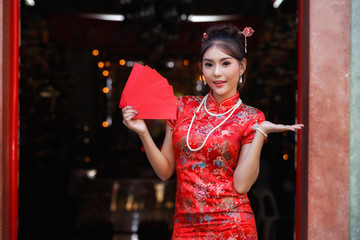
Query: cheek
[
  {"x": 206, "y": 72},
  {"x": 234, "y": 75}
]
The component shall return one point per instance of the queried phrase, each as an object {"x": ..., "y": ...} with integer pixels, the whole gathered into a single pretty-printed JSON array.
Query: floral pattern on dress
[{"x": 207, "y": 205}]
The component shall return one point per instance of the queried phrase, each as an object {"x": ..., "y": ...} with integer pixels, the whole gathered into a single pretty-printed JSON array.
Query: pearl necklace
[
  {"x": 231, "y": 111},
  {"x": 217, "y": 115}
]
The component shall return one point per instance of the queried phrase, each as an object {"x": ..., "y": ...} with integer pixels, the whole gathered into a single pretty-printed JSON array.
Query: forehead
[{"x": 215, "y": 52}]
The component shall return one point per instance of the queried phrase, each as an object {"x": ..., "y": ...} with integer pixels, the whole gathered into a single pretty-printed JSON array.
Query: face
[{"x": 222, "y": 73}]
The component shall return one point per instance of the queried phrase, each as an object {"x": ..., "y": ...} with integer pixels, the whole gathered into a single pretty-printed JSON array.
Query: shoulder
[
  {"x": 189, "y": 101},
  {"x": 252, "y": 112},
  {"x": 185, "y": 106}
]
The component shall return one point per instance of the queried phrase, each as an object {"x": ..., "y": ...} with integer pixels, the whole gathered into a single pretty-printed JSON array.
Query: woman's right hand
[{"x": 137, "y": 125}]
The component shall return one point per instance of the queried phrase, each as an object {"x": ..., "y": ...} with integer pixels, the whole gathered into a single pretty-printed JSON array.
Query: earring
[
  {"x": 241, "y": 80},
  {"x": 202, "y": 78}
]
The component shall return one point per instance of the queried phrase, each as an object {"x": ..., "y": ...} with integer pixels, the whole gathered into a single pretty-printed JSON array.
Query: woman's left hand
[{"x": 269, "y": 127}]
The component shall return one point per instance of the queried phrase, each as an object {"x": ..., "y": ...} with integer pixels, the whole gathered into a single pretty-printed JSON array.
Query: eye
[
  {"x": 207, "y": 64},
  {"x": 226, "y": 63}
]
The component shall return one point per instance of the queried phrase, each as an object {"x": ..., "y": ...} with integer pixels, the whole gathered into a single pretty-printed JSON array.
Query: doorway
[{"x": 68, "y": 155}]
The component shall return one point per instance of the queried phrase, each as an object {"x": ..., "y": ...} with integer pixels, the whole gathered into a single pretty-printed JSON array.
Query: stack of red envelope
[{"x": 149, "y": 93}]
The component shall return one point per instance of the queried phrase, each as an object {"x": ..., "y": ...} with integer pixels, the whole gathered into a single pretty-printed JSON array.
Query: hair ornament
[
  {"x": 248, "y": 31},
  {"x": 205, "y": 36}
]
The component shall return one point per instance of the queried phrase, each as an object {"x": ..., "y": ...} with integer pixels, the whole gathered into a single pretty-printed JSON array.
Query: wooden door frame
[{"x": 301, "y": 204}]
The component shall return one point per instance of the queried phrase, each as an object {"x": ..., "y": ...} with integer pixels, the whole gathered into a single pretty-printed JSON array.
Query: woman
[{"x": 214, "y": 144}]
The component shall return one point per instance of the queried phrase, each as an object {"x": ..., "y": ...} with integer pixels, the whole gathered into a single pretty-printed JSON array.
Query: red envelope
[{"x": 149, "y": 93}]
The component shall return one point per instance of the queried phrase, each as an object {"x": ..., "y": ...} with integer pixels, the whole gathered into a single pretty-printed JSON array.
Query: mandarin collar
[{"x": 225, "y": 105}]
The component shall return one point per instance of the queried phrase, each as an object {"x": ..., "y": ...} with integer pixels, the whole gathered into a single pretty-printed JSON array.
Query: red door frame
[{"x": 14, "y": 118}]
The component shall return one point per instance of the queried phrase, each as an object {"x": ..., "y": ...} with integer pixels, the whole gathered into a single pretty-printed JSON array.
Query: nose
[{"x": 217, "y": 70}]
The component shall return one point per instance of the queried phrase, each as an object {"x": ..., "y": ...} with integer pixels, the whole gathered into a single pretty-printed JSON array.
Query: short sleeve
[
  {"x": 179, "y": 107},
  {"x": 253, "y": 123}
]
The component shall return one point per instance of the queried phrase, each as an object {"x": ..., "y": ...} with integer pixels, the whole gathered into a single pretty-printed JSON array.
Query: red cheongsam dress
[{"x": 207, "y": 205}]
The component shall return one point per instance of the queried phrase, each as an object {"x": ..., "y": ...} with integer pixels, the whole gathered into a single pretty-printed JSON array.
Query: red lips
[{"x": 219, "y": 83}]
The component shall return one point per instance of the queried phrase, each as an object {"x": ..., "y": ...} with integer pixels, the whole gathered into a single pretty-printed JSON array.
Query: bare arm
[
  {"x": 162, "y": 161},
  {"x": 247, "y": 169}
]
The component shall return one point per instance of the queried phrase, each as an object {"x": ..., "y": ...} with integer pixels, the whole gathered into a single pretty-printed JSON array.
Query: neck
[{"x": 220, "y": 99}]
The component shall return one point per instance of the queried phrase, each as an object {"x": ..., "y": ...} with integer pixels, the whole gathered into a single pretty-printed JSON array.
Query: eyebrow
[{"x": 226, "y": 58}]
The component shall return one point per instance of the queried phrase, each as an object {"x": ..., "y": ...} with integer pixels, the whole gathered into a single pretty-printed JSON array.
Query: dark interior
[{"x": 83, "y": 175}]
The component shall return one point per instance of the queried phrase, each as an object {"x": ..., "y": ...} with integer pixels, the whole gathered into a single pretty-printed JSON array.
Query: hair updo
[{"x": 228, "y": 38}]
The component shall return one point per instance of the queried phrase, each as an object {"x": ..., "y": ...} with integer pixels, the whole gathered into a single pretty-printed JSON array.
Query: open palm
[{"x": 269, "y": 127}]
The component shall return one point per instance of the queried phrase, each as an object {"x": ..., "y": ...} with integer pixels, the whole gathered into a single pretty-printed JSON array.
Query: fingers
[
  {"x": 129, "y": 113},
  {"x": 272, "y": 128},
  {"x": 297, "y": 126},
  {"x": 129, "y": 116},
  {"x": 127, "y": 108}
]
